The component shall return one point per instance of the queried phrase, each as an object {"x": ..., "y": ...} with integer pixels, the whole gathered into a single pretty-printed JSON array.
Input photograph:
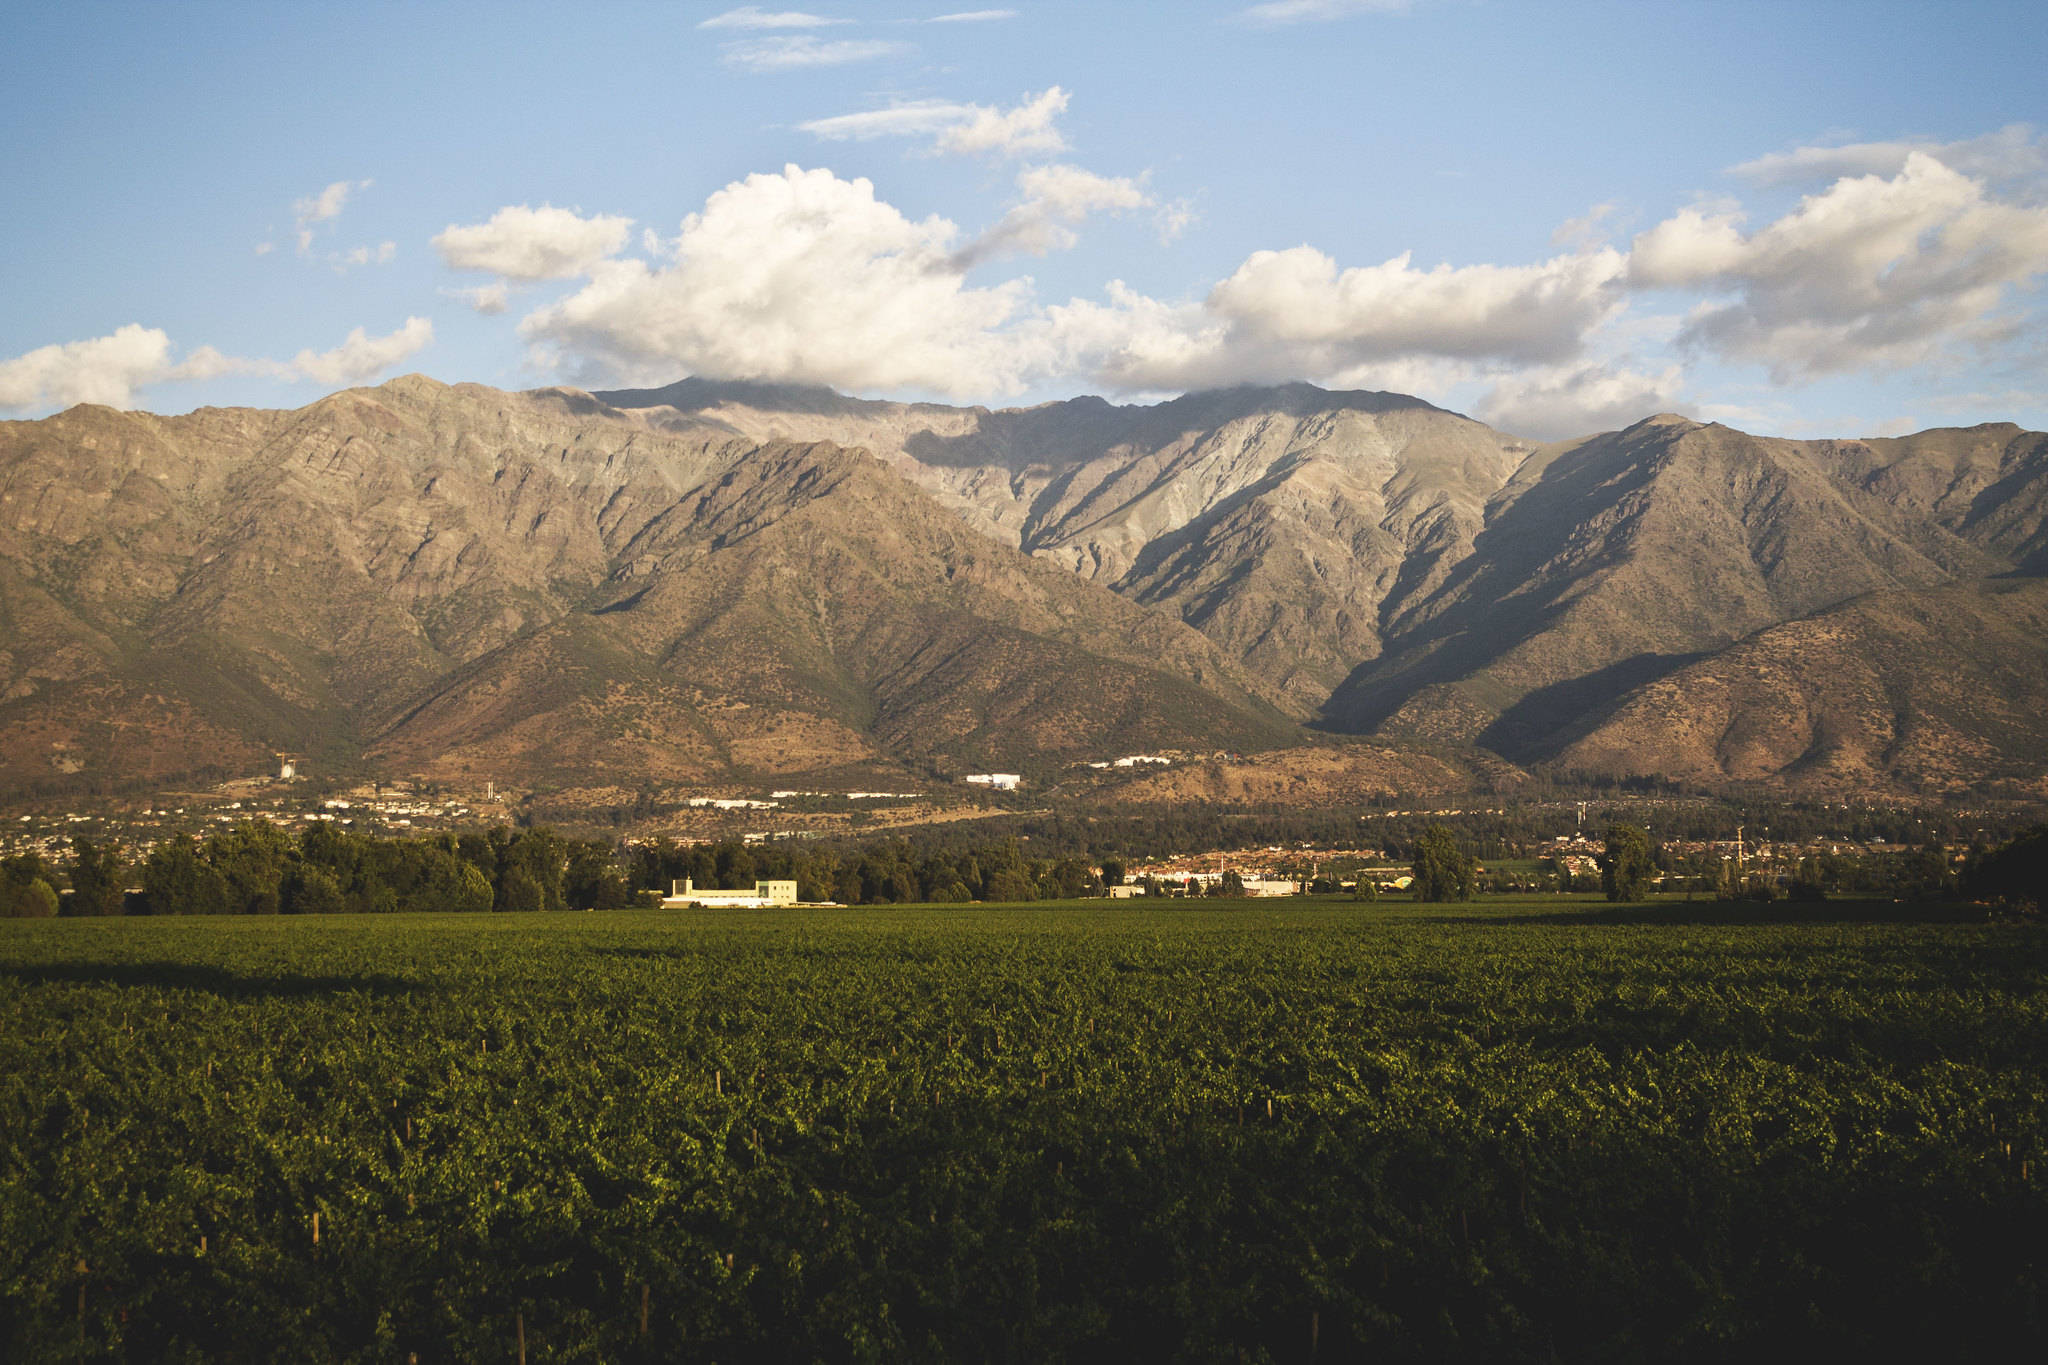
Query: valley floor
[{"x": 1550, "y": 1129}]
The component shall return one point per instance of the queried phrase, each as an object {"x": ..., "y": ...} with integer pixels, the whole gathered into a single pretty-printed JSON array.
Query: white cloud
[
  {"x": 110, "y": 369},
  {"x": 1872, "y": 272},
  {"x": 105, "y": 370},
  {"x": 382, "y": 254},
  {"x": 487, "y": 299},
  {"x": 1056, "y": 199},
  {"x": 1317, "y": 11},
  {"x": 1174, "y": 218},
  {"x": 361, "y": 357},
  {"x": 1025, "y": 129},
  {"x": 324, "y": 207},
  {"x": 973, "y": 16},
  {"x": 1555, "y": 402},
  {"x": 1584, "y": 231},
  {"x": 802, "y": 51},
  {"x": 802, "y": 277},
  {"x": 752, "y": 17},
  {"x": 913, "y": 119},
  {"x": 524, "y": 243},
  {"x": 265, "y": 248},
  {"x": 1525, "y": 313},
  {"x": 2015, "y": 158}
]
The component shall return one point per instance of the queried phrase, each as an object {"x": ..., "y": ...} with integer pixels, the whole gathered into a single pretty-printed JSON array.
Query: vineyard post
[
  {"x": 1315, "y": 1331},
  {"x": 519, "y": 1331},
  {"x": 643, "y": 1309}
]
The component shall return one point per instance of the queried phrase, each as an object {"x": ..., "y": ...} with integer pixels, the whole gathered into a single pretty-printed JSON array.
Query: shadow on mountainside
[
  {"x": 1516, "y": 584},
  {"x": 1074, "y": 432},
  {"x": 1549, "y": 718}
]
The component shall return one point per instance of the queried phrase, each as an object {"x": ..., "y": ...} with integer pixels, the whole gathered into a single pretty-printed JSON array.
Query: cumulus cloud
[
  {"x": 1317, "y": 11},
  {"x": 1872, "y": 272},
  {"x": 361, "y": 357},
  {"x": 800, "y": 276},
  {"x": 1551, "y": 403},
  {"x": 308, "y": 213},
  {"x": 524, "y": 243},
  {"x": 809, "y": 278},
  {"x": 753, "y": 17},
  {"x": 973, "y": 16},
  {"x": 1524, "y": 313},
  {"x": 802, "y": 51},
  {"x": 104, "y": 369},
  {"x": 110, "y": 369},
  {"x": 1026, "y": 129},
  {"x": 1293, "y": 314}
]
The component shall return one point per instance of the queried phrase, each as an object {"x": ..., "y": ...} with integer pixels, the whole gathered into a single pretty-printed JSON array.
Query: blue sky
[{"x": 1802, "y": 219}]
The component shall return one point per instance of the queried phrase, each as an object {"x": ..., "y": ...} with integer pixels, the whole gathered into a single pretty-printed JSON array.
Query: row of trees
[{"x": 258, "y": 868}]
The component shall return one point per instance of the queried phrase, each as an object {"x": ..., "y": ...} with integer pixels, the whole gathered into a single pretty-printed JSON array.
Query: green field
[{"x": 1545, "y": 1131}]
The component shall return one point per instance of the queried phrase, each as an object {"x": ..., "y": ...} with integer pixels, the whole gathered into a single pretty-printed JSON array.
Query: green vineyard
[{"x": 1318, "y": 1132}]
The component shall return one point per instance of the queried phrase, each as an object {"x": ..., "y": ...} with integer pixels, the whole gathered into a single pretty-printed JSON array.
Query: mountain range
[{"x": 726, "y": 583}]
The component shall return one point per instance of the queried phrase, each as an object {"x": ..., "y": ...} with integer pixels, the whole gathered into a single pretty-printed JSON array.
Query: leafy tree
[
  {"x": 1626, "y": 867},
  {"x": 25, "y": 890},
  {"x": 1366, "y": 888},
  {"x": 310, "y": 889},
  {"x": 1443, "y": 872},
  {"x": 1113, "y": 872},
  {"x": 250, "y": 859},
  {"x": 1066, "y": 879},
  {"x": 520, "y": 893},
  {"x": 177, "y": 881},
  {"x": 591, "y": 881},
  {"x": 1009, "y": 884},
  {"x": 99, "y": 878},
  {"x": 2015, "y": 872},
  {"x": 1229, "y": 884}
]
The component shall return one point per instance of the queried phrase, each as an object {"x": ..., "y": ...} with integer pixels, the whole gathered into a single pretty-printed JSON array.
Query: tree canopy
[{"x": 1443, "y": 871}]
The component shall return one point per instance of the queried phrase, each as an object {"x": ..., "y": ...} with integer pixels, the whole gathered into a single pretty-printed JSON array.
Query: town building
[{"x": 685, "y": 894}]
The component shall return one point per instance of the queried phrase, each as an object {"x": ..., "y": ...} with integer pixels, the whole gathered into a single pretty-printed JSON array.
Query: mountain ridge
[{"x": 743, "y": 581}]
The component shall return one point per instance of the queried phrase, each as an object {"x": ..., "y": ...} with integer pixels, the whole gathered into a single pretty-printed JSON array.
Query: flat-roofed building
[{"x": 685, "y": 893}]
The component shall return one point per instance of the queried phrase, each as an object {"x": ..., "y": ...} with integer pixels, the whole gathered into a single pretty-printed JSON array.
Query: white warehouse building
[{"x": 684, "y": 894}]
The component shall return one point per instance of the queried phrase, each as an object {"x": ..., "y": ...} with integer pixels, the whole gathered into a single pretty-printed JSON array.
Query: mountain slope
[
  {"x": 1931, "y": 691},
  {"x": 457, "y": 579},
  {"x": 1291, "y": 525},
  {"x": 1610, "y": 561}
]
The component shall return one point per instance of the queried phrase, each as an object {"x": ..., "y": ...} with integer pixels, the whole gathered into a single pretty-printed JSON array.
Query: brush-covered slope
[
  {"x": 529, "y": 585},
  {"x": 1931, "y": 691}
]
